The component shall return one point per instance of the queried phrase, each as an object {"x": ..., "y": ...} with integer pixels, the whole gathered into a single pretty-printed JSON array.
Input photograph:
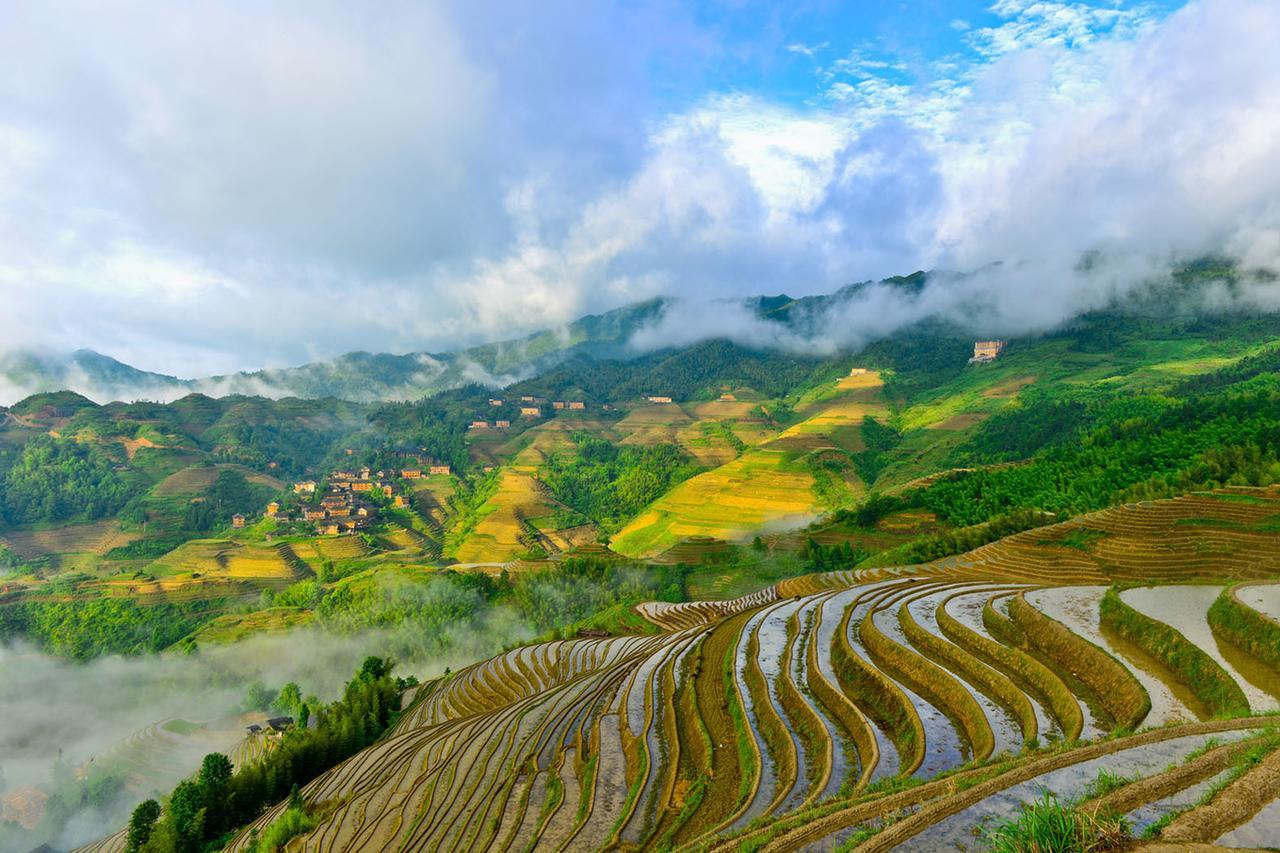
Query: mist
[{"x": 544, "y": 197}]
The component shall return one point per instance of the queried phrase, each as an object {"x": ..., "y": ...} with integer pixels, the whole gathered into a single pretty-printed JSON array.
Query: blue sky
[
  {"x": 211, "y": 186},
  {"x": 793, "y": 52}
]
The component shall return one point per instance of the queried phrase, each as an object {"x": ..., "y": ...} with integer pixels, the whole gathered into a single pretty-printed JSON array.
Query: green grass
[
  {"x": 1048, "y": 826},
  {"x": 1211, "y": 684},
  {"x": 1246, "y": 629},
  {"x": 182, "y": 727}
]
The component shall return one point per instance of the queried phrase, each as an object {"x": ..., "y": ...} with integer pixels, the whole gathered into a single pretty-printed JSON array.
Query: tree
[
  {"x": 214, "y": 779},
  {"x": 186, "y": 813},
  {"x": 141, "y": 824},
  {"x": 374, "y": 668},
  {"x": 289, "y": 699}
]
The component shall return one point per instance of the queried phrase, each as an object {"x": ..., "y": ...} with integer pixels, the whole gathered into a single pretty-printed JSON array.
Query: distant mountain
[
  {"x": 356, "y": 376},
  {"x": 101, "y": 377}
]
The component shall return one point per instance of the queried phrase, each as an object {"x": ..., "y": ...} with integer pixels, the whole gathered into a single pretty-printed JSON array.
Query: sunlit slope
[
  {"x": 769, "y": 722},
  {"x": 769, "y": 485},
  {"x": 519, "y": 516}
]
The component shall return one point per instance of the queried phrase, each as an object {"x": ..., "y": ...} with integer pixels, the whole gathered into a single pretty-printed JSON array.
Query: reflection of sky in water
[{"x": 963, "y": 829}]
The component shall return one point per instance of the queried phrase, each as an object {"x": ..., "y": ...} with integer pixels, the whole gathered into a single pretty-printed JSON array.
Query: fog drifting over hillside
[{"x": 438, "y": 174}]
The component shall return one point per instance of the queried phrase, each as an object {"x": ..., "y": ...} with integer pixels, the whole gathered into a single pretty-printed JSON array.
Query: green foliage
[
  {"x": 57, "y": 479},
  {"x": 1048, "y": 826},
  {"x": 200, "y": 809},
  {"x": 829, "y": 471},
  {"x": 1039, "y": 421},
  {"x": 609, "y": 483},
  {"x": 305, "y": 593},
  {"x": 292, "y": 823},
  {"x": 85, "y": 629},
  {"x": 1139, "y": 449},
  {"x": 698, "y": 371},
  {"x": 879, "y": 439},
  {"x": 258, "y": 697},
  {"x": 831, "y": 558},
  {"x": 141, "y": 824},
  {"x": 1217, "y": 690},
  {"x": 1246, "y": 629},
  {"x": 229, "y": 494},
  {"x": 949, "y": 542}
]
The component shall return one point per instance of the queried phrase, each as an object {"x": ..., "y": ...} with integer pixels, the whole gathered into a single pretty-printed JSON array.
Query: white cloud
[{"x": 439, "y": 175}]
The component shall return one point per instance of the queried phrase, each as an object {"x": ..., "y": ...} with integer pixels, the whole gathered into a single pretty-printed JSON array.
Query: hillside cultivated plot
[
  {"x": 501, "y": 531},
  {"x": 96, "y": 538},
  {"x": 233, "y": 627},
  {"x": 760, "y": 487},
  {"x": 779, "y": 721},
  {"x": 656, "y": 423},
  {"x": 191, "y": 480},
  {"x": 274, "y": 566}
]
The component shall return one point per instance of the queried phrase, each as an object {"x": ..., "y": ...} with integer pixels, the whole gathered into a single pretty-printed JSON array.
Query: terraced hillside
[
  {"x": 771, "y": 484},
  {"x": 876, "y": 709}
]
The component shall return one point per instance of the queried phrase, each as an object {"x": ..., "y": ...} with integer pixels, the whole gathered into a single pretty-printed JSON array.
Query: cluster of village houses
[{"x": 345, "y": 505}]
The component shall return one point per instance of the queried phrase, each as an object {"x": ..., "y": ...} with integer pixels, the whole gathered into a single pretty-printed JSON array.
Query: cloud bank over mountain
[{"x": 214, "y": 187}]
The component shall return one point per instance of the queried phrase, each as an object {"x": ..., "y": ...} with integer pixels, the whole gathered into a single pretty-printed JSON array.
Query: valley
[{"x": 702, "y": 598}]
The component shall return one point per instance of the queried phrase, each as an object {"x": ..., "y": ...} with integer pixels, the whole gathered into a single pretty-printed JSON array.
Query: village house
[
  {"x": 328, "y": 528},
  {"x": 411, "y": 473},
  {"x": 273, "y": 508},
  {"x": 350, "y": 452},
  {"x": 365, "y": 473},
  {"x": 315, "y": 514},
  {"x": 362, "y": 486},
  {"x": 363, "y": 511},
  {"x": 728, "y": 398},
  {"x": 439, "y": 469},
  {"x": 658, "y": 398},
  {"x": 388, "y": 491},
  {"x": 530, "y": 412},
  {"x": 494, "y": 401},
  {"x": 306, "y": 487},
  {"x": 401, "y": 501},
  {"x": 857, "y": 371},
  {"x": 335, "y": 500},
  {"x": 339, "y": 511},
  {"x": 502, "y": 424},
  {"x": 984, "y": 351},
  {"x": 479, "y": 425},
  {"x": 577, "y": 405},
  {"x": 237, "y": 521},
  {"x": 558, "y": 405}
]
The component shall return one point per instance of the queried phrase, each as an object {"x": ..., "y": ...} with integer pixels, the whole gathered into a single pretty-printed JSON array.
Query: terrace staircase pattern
[{"x": 790, "y": 717}]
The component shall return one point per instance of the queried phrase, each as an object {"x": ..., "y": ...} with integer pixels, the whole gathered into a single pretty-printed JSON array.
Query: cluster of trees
[
  {"x": 944, "y": 544},
  {"x": 229, "y": 494},
  {"x": 56, "y": 479},
  {"x": 208, "y": 808},
  {"x": 1204, "y": 441},
  {"x": 88, "y": 628},
  {"x": 878, "y": 439},
  {"x": 481, "y": 614},
  {"x": 610, "y": 483},
  {"x": 684, "y": 374},
  {"x": 830, "y": 558}
]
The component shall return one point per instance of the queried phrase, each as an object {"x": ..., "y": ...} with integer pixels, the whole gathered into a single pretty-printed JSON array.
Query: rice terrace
[{"x": 683, "y": 426}]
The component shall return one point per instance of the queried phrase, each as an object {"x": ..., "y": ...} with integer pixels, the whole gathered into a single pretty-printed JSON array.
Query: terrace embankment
[{"x": 821, "y": 710}]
